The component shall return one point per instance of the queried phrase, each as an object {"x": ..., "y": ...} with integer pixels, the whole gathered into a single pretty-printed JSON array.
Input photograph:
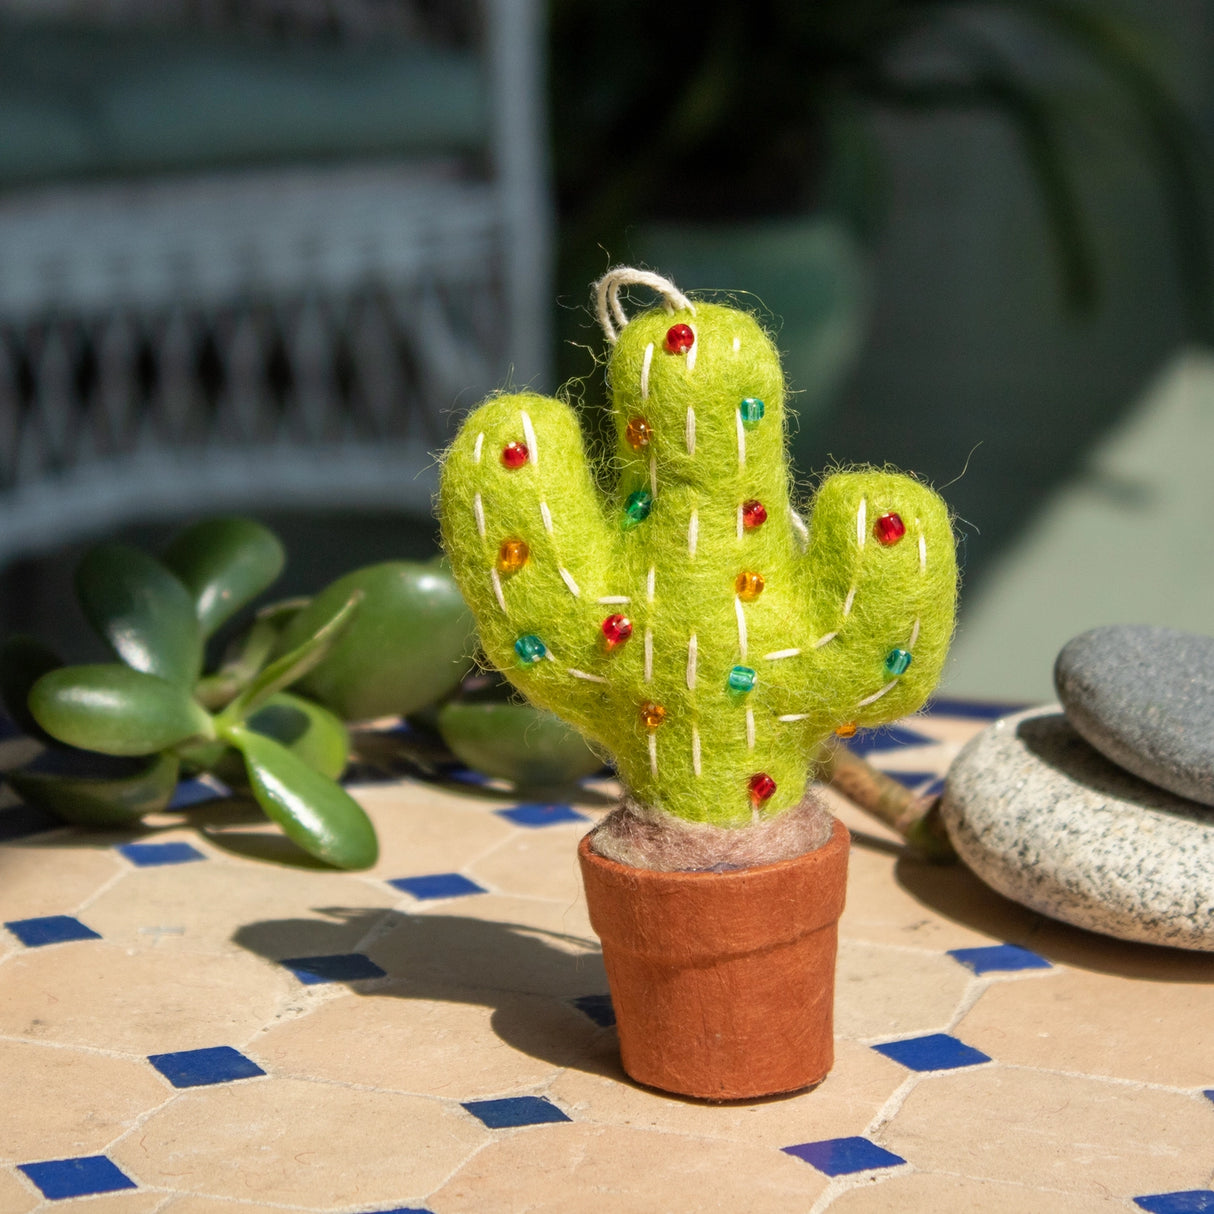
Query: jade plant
[
  {"x": 688, "y": 620},
  {"x": 122, "y": 733}
]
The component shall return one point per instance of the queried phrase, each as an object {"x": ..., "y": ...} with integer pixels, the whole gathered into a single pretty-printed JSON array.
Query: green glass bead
[
  {"x": 897, "y": 662},
  {"x": 752, "y": 410},
  {"x": 742, "y": 679},
  {"x": 530, "y": 649},
  {"x": 637, "y": 508}
]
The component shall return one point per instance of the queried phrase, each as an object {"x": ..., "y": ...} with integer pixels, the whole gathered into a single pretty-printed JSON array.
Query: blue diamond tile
[
  {"x": 843, "y": 1156},
  {"x": 598, "y": 1007},
  {"x": 934, "y": 789},
  {"x": 18, "y": 821},
  {"x": 911, "y": 779},
  {"x": 197, "y": 1068},
  {"x": 339, "y": 967},
  {"x": 151, "y": 855},
  {"x": 1209, "y": 1094},
  {"x": 464, "y": 775},
  {"x": 1191, "y": 1201},
  {"x": 401, "y": 1210},
  {"x": 535, "y": 813},
  {"x": 972, "y": 710},
  {"x": 514, "y": 1111},
  {"x": 438, "y": 885},
  {"x": 935, "y": 1052},
  {"x": 198, "y": 792},
  {"x": 886, "y": 738},
  {"x": 50, "y": 929},
  {"x": 61, "y": 1178},
  {"x": 999, "y": 958}
]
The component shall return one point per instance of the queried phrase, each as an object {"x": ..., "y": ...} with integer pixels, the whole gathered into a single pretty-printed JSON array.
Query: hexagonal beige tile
[
  {"x": 1065, "y": 1132},
  {"x": 218, "y": 1205},
  {"x": 52, "y": 878},
  {"x": 597, "y": 1169},
  {"x": 923, "y": 1193},
  {"x": 290, "y": 1142},
  {"x": 458, "y": 1049},
  {"x": 219, "y": 906},
  {"x": 91, "y": 993},
  {"x": 60, "y": 1113},
  {"x": 498, "y": 943},
  {"x": 883, "y": 991},
  {"x": 538, "y": 863},
  {"x": 850, "y": 1097},
  {"x": 17, "y": 1195},
  {"x": 1096, "y": 1024}
]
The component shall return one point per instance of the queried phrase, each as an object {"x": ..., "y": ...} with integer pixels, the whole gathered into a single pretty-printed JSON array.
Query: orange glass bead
[
  {"x": 749, "y": 585},
  {"x": 638, "y": 433},
  {"x": 846, "y": 731},
  {"x": 652, "y": 715},
  {"x": 512, "y": 556}
]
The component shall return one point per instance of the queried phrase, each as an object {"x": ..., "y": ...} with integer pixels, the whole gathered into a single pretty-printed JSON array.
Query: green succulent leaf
[
  {"x": 23, "y": 661},
  {"x": 224, "y": 563},
  {"x": 409, "y": 645},
  {"x": 307, "y": 730},
  {"x": 295, "y": 663},
  {"x": 313, "y": 811},
  {"x": 144, "y": 613},
  {"x": 92, "y": 800},
  {"x": 116, "y": 710},
  {"x": 516, "y": 742}
]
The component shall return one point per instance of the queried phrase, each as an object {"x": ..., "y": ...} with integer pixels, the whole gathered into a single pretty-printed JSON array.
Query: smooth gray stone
[
  {"x": 1048, "y": 821},
  {"x": 1144, "y": 697}
]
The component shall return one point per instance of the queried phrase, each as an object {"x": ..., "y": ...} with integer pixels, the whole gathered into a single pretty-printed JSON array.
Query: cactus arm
[{"x": 549, "y": 504}]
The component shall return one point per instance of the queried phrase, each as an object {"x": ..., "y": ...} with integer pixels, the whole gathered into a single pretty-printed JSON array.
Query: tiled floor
[{"x": 190, "y": 1024}]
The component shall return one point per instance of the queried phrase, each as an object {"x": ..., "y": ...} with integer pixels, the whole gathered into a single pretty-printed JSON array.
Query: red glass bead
[
  {"x": 514, "y": 455},
  {"x": 889, "y": 528},
  {"x": 617, "y": 629},
  {"x": 680, "y": 339},
  {"x": 754, "y": 514},
  {"x": 762, "y": 786}
]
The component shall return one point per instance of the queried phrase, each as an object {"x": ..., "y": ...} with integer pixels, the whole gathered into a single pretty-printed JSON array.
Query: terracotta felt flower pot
[{"x": 723, "y": 983}]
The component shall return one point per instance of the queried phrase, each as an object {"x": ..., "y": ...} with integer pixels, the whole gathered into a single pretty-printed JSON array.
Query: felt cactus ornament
[{"x": 688, "y": 622}]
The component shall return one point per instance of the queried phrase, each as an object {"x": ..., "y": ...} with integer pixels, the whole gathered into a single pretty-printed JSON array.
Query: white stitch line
[
  {"x": 478, "y": 508},
  {"x": 645, "y": 371},
  {"x": 653, "y": 473},
  {"x": 862, "y": 522},
  {"x": 794, "y": 716},
  {"x": 741, "y": 614},
  {"x": 922, "y": 553},
  {"x": 691, "y": 663},
  {"x": 550, "y": 655},
  {"x": 847, "y": 602},
  {"x": 532, "y": 443},
  {"x": 690, "y": 431},
  {"x": 653, "y": 753},
  {"x": 888, "y": 687},
  {"x": 914, "y": 636},
  {"x": 590, "y": 678},
  {"x": 799, "y": 526},
  {"x": 649, "y": 582},
  {"x": 567, "y": 578},
  {"x": 476, "y": 451},
  {"x": 741, "y": 439},
  {"x": 614, "y": 598},
  {"x": 497, "y": 587},
  {"x": 693, "y": 532},
  {"x": 546, "y": 514},
  {"x": 781, "y": 653},
  {"x": 830, "y": 636},
  {"x": 648, "y": 655},
  {"x": 691, "y": 354},
  {"x": 737, "y": 344},
  {"x": 750, "y": 729},
  {"x": 739, "y": 522},
  {"x": 695, "y": 750}
]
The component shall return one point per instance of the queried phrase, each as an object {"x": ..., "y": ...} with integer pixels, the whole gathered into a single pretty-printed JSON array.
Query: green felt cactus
[{"x": 689, "y": 622}]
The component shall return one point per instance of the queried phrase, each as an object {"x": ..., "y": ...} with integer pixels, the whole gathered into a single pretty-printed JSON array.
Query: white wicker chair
[{"x": 269, "y": 337}]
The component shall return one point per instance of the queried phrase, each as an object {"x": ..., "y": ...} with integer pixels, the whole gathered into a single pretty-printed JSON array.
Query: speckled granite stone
[
  {"x": 1047, "y": 820},
  {"x": 1144, "y": 697}
]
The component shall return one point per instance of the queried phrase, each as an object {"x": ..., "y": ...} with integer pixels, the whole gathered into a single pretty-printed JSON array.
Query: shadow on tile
[{"x": 954, "y": 892}]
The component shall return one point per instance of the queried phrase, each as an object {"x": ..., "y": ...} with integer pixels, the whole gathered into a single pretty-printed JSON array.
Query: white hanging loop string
[{"x": 607, "y": 296}]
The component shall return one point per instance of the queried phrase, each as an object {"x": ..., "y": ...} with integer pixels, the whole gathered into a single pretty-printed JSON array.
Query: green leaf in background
[
  {"x": 116, "y": 710},
  {"x": 142, "y": 610},
  {"x": 317, "y": 814},
  {"x": 409, "y": 645},
  {"x": 224, "y": 563},
  {"x": 284, "y": 671},
  {"x": 516, "y": 742},
  {"x": 307, "y": 730},
  {"x": 100, "y": 800},
  {"x": 23, "y": 661}
]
